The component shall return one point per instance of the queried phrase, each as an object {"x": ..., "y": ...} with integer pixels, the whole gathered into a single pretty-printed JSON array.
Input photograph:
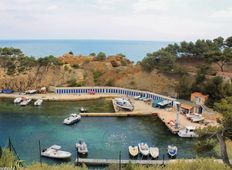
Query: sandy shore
[{"x": 59, "y": 97}]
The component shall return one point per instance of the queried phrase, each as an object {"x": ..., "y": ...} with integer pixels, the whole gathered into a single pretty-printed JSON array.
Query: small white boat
[
  {"x": 83, "y": 110},
  {"x": 197, "y": 118},
  {"x": 154, "y": 152},
  {"x": 82, "y": 147},
  {"x": 143, "y": 149},
  {"x": 25, "y": 101},
  {"x": 124, "y": 104},
  {"x": 73, "y": 118},
  {"x": 188, "y": 132},
  {"x": 172, "y": 151},
  {"x": 189, "y": 115},
  {"x": 137, "y": 97},
  {"x": 133, "y": 150},
  {"x": 38, "y": 102},
  {"x": 18, "y": 100},
  {"x": 55, "y": 152}
]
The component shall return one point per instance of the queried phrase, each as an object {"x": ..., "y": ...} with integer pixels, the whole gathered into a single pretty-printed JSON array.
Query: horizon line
[{"x": 70, "y": 39}]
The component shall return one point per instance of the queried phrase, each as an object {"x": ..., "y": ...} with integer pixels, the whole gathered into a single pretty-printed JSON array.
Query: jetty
[
  {"x": 118, "y": 114},
  {"x": 116, "y": 161}
]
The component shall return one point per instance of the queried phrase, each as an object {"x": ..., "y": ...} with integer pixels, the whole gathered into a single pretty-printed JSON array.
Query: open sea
[{"x": 134, "y": 50}]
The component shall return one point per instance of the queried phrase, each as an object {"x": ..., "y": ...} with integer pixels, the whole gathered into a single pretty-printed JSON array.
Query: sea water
[
  {"x": 134, "y": 50},
  {"x": 105, "y": 136}
]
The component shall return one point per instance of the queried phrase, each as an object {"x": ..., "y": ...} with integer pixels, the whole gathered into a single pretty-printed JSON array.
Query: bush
[
  {"x": 196, "y": 164},
  {"x": 72, "y": 83},
  {"x": 101, "y": 56},
  {"x": 110, "y": 83},
  {"x": 49, "y": 60},
  {"x": 124, "y": 63},
  {"x": 63, "y": 166},
  {"x": 76, "y": 66},
  {"x": 92, "y": 54},
  {"x": 96, "y": 75}
]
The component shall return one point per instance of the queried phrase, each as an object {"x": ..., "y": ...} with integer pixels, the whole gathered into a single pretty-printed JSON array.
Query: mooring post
[
  {"x": 9, "y": 144},
  {"x": 120, "y": 160},
  {"x": 40, "y": 154}
]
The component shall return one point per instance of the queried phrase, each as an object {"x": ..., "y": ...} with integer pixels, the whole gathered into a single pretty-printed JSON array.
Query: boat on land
[
  {"x": 73, "y": 118},
  {"x": 172, "y": 151},
  {"x": 83, "y": 110},
  {"x": 55, "y": 152},
  {"x": 188, "y": 132},
  {"x": 137, "y": 97},
  {"x": 18, "y": 100},
  {"x": 25, "y": 101},
  {"x": 144, "y": 149},
  {"x": 124, "y": 104},
  {"x": 133, "y": 150},
  {"x": 154, "y": 152},
  {"x": 81, "y": 147},
  {"x": 197, "y": 118},
  {"x": 38, "y": 102}
]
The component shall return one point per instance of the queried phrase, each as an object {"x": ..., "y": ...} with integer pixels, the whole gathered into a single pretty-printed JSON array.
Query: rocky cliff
[{"x": 87, "y": 71}]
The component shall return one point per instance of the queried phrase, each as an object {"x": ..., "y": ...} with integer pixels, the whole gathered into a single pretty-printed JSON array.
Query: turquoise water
[
  {"x": 134, "y": 50},
  {"x": 105, "y": 136}
]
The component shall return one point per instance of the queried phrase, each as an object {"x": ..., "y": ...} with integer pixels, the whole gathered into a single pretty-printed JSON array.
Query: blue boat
[
  {"x": 172, "y": 151},
  {"x": 7, "y": 91}
]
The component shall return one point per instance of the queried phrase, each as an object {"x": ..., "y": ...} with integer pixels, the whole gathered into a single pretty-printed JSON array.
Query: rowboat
[
  {"x": 154, "y": 152},
  {"x": 133, "y": 150},
  {"x": 172, "y": 151},
  {"x": 143, "y": 149}
]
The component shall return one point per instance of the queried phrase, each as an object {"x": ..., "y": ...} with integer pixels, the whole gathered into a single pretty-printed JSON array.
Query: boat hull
[
  {"x": 144, "y": 152},
  {"x": 154, "y": 152},
  {"x": 133, "y": 151}
]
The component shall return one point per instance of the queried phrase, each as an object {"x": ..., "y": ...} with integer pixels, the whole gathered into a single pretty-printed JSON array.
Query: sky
[{"x": 156, "y": 20}]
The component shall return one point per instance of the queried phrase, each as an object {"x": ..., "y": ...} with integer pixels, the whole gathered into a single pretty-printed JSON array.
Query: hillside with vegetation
[
  {"x": 20, "y": 72},
  {"x": 175, "y": 70}
]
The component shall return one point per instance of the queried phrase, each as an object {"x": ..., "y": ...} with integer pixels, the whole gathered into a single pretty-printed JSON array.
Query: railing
[{"x": 111, "y": 90}]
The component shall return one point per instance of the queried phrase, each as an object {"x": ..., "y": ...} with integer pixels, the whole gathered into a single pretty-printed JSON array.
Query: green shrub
[
  {"x": 124, "y": 63},
  {"x": 63, "y": 166},
  {"x": 72, "y": 83},
  {"x": 101, "y": 56},
  {"x": 96, "y": 75},
  {"x": 76, "y": 66},
  {"x": 92, "y": 54}
]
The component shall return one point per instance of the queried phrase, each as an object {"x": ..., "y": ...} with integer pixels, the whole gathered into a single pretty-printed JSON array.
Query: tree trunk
[
  {"x": 222, "y": 144},
  {"x": 221, "y": 65}
]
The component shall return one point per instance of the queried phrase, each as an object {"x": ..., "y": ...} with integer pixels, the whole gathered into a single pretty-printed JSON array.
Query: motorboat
[
  {"x": 172, "y": 151},
  {"x": 55, "y": 152},
  {"x": 143, "y": 149},
  {"x": 83, "y": 110},
  {"x": 197, "y": 118},
  {"x": 189, "y": 115},
  {"x": 124, "y": 104},
  {"x": 188, "y": 132},
  {"x": 73, "y": 118},
  {"x": 133, "y": 150},
  {"x": 38, "y": 102},
  {"x": 154, "y": 152},
  {"x": 82, "y": 147},
  {"x": 18, "y": 100},
  {"x": 25, "y": 101}
]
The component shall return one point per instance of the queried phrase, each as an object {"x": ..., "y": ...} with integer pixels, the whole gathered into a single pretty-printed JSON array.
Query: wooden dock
[{"x": 116, "y": 161}]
